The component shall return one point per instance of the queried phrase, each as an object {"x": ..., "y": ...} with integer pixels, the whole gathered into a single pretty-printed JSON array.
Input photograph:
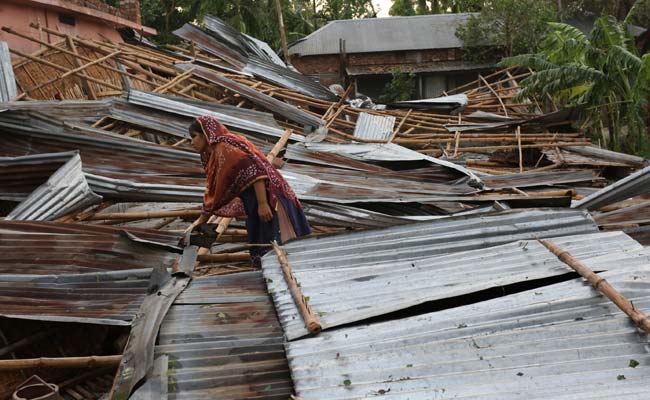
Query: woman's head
[{"x": 199, "y": 140}]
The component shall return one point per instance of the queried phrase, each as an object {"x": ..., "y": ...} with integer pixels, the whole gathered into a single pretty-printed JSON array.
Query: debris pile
[{"x": 426, "y": 217}]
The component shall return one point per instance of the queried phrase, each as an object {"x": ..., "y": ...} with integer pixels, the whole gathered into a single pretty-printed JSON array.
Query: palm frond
[
  {"x": 608, "y": 32},
  {"x": 562, "y": 79},
  {"x": 622, "y": 57},
  {"x": 534, "y": 61},
  {"x": 569, "y": 32}
]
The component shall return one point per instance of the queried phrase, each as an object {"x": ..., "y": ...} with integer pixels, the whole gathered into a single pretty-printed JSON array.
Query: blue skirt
[{"x": 289, "y": 221}]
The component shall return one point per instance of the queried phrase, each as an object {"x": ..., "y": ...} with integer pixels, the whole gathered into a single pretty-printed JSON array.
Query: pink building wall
[{"x": 19, "y": 16}]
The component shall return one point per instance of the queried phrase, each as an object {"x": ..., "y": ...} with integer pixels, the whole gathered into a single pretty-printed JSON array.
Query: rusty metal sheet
[
  {"x": 546, "y": 178},
  {"x": 223, "y": 340},
  {"x": 40, "y": 248},
  {"x": 634, "y": 214},
  {"x": 269, "y": 103},
  {"x": 63, "y": 192},
  {"x": 630, "y": 186}
]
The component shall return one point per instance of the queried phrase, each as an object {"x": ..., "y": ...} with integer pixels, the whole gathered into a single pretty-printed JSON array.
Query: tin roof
[
  {"x": 223, "y": 340},
  {"x": 563, "y": 341},
  {"x": 384, "y": 34}
]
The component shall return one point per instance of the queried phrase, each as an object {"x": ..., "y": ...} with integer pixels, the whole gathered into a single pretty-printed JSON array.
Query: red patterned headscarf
[{"x": 232, "y": 166}]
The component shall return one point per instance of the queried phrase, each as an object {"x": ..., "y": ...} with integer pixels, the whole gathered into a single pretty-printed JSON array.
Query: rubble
[{"x": 426, "y": 216}]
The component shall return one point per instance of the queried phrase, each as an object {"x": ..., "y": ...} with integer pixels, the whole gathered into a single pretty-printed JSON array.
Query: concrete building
[
  {"x": 368, "y": 51},
  {"x": 84, "y": 18}
]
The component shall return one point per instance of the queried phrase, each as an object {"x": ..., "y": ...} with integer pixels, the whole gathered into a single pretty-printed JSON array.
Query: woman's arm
[{"x": 263, "y": 208}]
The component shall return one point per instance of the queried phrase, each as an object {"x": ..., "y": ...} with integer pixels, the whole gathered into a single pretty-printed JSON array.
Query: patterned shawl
[{"x": 232, "y": 166}]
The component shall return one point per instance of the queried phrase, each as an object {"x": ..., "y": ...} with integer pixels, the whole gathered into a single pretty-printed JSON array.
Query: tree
[
  {"x": 423, "y": 7},
  {"x": 400, "y": 88},
  {"x": 513, "y": 26},
  {"x": 602, "y": 73},
  {"x": 402, "y": 8}
]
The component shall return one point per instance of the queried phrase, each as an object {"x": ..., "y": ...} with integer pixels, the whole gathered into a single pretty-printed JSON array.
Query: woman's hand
[
  {"x": 201, "y": 220},
  {"x": 265, "y": 213}
]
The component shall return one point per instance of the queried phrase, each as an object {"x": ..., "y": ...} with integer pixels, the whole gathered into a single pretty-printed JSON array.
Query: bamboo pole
[
  {"x": 76, "y": 71},
  {"x": 283, "y": 34},
  {"x": 521, "y": 152},
  {"x": 86, "y": 83},
  {"x": 399, "y": 126},
  {"x": 226, "y": 257},
  {"x": 310, "y": 320},
  {"x": 145, "y": 215},
  {"x": 60, "y": 68},
  {"x": 63, "y": 362},
  {"x": 599, "y": 283}
]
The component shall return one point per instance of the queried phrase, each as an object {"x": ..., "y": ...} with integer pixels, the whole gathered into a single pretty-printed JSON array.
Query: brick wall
[{"x": 129, "y": 9}]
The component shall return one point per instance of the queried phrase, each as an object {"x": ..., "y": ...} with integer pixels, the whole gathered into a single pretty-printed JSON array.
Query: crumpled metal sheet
[
  {"x": 564, "y": 341},
  {"x": 269, "y": 103},
  {"x": 63, "y": 192},
  {"x": 164, "y": 103},
  {"x": 630, "y": 186},
  {"x": 341, "y": 294},
  {"x": 388, "y": 152},
  {"x": 220, "y": 44}
]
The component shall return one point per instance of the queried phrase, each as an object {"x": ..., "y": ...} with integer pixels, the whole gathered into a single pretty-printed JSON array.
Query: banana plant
[{"x": 603, "y": 73}]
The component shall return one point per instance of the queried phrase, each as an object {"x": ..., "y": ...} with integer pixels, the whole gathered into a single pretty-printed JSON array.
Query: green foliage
[
  {"x": 402, "y": 8},
  {"x": 257, "y": 18},
  {"x": 400, "y": 88},
  {"x": 602, "y": 73},
  {"x": 513, "y": 26},
  {"x": 423, "y": 7}
]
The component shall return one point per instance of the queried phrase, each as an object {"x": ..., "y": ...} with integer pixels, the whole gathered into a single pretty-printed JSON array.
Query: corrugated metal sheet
[
  {"x": 223, "y": 42},
  {"x": 640, "y": 234},
  {"x": 269, "y": 103},
  {"x": 341, "y": 294},
  {"x": 63, "y": 192},
  {"x": 375, "y": 127},
  {"x": 41, "y": 248},
  {"x": 243, "y": 43},
  {"x": 634, "y": 214},
  {"x": 224, "y": 341},
  {"x": 545, "y": 178},
  {"x": 387, "y": 152},
  {"x": 563, "y": 341},
  {"x": 444, "y": 103},
  {"x": 446, "y": 235},
  {"x": 384, "y": 34},
  {"x": 604, "y": 154},
  {"x": 101, "y": 298},
  {"x": 8, "y": 89},
  {"x": 166, "y": 104},
  {"x": 630, "y": 186},
  {"x": 160, "y": 119},
  {"x": 70, "y": 110}
]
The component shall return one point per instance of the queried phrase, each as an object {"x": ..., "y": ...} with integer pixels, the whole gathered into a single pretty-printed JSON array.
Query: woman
[{"x": 241, "y": 181}]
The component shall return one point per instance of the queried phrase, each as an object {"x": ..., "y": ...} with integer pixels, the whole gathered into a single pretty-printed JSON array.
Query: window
[{"x": 67, "y": 19}]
